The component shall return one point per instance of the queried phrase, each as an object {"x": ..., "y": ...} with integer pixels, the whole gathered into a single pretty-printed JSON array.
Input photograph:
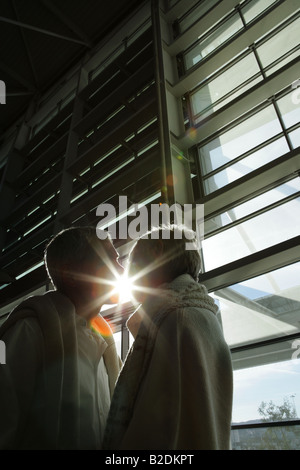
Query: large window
[
  {"x": 252, "y": 65},
  {"x": 271, "y": 49},
  {"x": 254, "y": 142},
  {"x": 238, "y": 79},
  {"x": 234, "y": 81},
  {"x": 261, "y": 222},
  {"x": 239, "y": 150},
  {"x": 264, "y": 307},
  {"x": 213, "y": 40},
  {"x": 260, "y": 318},
  {"x": 280, "y": 46}
]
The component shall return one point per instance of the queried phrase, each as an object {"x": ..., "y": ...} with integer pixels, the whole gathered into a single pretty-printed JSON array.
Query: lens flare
[
  {"x": 101, "y": 327},
  {"x": 192, "y": 133},
  {"x": 123, "y": 288}
]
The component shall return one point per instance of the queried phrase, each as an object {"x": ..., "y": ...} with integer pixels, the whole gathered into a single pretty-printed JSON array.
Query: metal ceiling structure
[
  {"x": 42, "y": 39},
  {"x": 81, "y": 141}
]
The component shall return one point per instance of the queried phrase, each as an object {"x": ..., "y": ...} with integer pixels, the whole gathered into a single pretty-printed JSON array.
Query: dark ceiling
[{"x": 41, "y": 39}]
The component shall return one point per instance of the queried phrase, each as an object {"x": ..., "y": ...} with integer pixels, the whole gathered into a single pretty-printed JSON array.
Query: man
[
  {"x": 175, "y": 389},
  {"x": 61, "y": 361}
]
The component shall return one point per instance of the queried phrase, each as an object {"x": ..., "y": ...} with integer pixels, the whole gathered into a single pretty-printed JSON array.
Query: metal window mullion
[
  {"x": 266, "y": 424},
  {"x": 229, "y": 65},
  {"x": 242, "y": 156},
  {"x": 219, "y": 101},
  {"x": 225, "y": 48},
  {"x": 256, "y": 264},
  {"x": 286, "y": 135},
  {"x": 261, "y": 190},
  {"x": 199, "y": 177},
  {"x": 278, "y": 28},
  {"x": 292, "y": 128},
  {"x": 231, "y": 125},
  {"x": 281, "y": 58},
  {"x": 239, "y": 10},
  {"x": 191, "y": 10},
  {"x": 247, "y": 114},
  {"x": 210, "y": 17},
  {"x": 220, "y": 71},
  {"x": 241, "y": 31},
  {"x": 210, "y": 32},
  {"x": 266, "y": 342},
  {"x": 189, "y": 109},
  {"x": 252, "y": 215},
  {"x": 260, "y": 65}
]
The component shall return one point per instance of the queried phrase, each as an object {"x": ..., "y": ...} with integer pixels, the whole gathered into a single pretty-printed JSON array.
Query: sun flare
[{"x": 123, "y": 288}]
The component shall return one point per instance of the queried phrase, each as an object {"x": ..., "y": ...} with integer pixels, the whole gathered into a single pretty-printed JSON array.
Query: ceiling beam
[
  {"x": 16, "y": 76},
  {"x": 20, "y": 93},
  {"x": 41, "y": 30},
  {"x": 67, "y": 22},
  {"x": 26, "y": 46}
]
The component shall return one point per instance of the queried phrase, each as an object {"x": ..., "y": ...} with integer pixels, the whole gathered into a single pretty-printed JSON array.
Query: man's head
[
  {"x": 82, "y": 267},
  {"x": 160, "y": 256}
]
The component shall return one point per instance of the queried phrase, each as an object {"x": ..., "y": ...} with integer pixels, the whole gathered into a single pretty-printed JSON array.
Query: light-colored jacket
[
  {"x": 59, "y": 376},
  {"x": 175, "y": 390}
]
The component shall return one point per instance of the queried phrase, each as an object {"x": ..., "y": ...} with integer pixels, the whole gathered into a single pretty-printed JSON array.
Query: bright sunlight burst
[{"x": 123, "y": 288}]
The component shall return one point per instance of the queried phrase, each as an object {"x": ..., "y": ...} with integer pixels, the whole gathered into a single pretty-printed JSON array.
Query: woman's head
[{"x": 161, "y": 255}]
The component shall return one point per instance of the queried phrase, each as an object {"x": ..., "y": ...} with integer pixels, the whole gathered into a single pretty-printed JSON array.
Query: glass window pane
[
  {"x": 258, "y": 233},
  {"x": 234, "y": 95},
  {"x": 224, "y": 83},
  {"x": 215, "y": 40},
  {"x": 266, "y": 438},
  {"x": 278, "y": 383},
  {"x": 246, "y": 165},
  {"x": 255, "y": 8},
  {"x": 264, "y": 307},
  {"x": 295, "y": 138},
  {"x": 259, "y": 202},
  {"x": 118, "y": 341},
  {"x": 289, "y": 109},
  {"x": 282, "y": 63},
  {"x": 281, "y": 43},
  {"x": 242, "y": 138}
]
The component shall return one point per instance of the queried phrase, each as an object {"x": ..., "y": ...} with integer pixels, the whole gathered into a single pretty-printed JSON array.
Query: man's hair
[
  {"x": 176, "y": 259},
  {"x": 72, "y": 251}
]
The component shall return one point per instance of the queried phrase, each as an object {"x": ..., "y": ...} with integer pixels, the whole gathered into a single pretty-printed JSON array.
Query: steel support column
[{"x": 163, "y": 122}]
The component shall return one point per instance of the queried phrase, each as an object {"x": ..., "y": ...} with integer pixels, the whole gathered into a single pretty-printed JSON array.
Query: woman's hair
[
  {"x": 171, "y": 241},
  {"x": 73, "y": 251}
]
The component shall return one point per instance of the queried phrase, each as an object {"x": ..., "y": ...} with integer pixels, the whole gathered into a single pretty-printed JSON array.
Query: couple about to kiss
[{"x": 63, "y": 385}]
